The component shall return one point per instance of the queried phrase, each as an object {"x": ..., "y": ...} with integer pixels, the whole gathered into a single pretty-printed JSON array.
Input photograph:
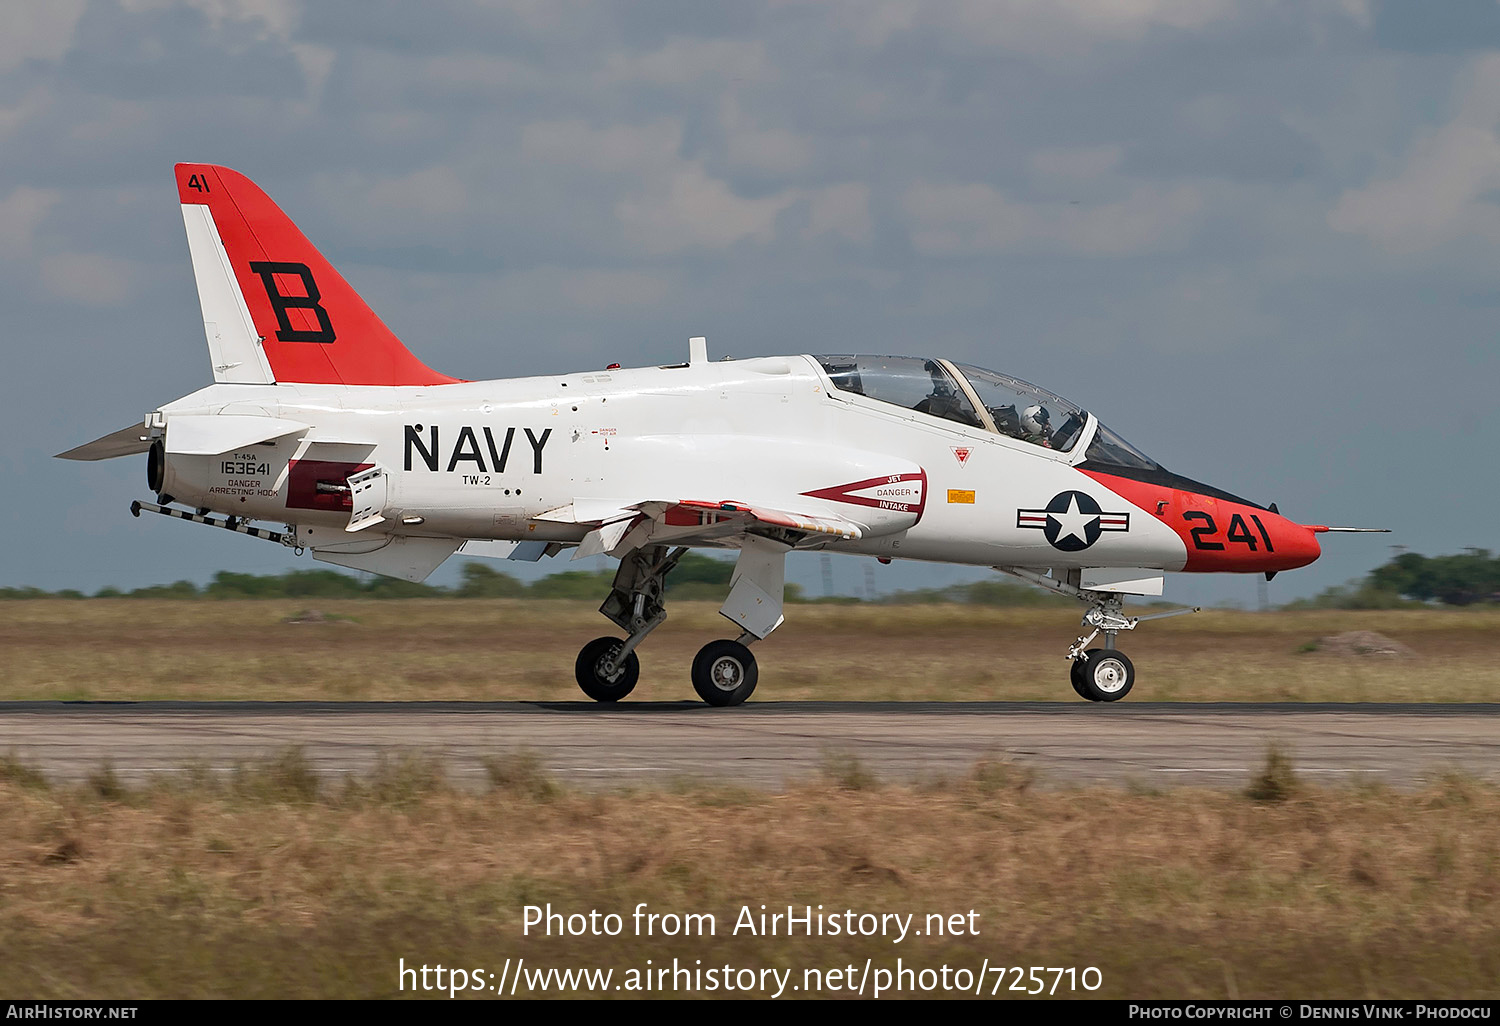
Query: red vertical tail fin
[{"x": 313, "y": 326}]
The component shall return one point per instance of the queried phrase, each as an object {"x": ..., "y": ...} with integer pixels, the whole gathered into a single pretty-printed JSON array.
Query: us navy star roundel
[{"x": 1072, "y": 521}]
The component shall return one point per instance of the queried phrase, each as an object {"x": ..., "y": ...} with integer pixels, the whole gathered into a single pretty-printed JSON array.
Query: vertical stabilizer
[
  {"x": 305, "y": 322},
  {"x": 233, "y": 343}
]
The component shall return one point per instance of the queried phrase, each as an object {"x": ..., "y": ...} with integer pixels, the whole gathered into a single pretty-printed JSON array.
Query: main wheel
[
  {"x": 724, "y": 673},
  {"x": 1107, "y": 675},
  {"x": 1075, "y": 675},
  {"x": 594, "y": 683}
]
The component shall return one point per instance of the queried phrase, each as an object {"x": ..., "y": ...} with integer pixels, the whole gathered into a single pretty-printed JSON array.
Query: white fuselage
[{"x": 486, "y": 459}]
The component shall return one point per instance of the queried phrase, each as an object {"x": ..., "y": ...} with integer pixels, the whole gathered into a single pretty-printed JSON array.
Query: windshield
[
  {"x": 1024, "y": 411},
  {"x": 1108, "y": 447}
]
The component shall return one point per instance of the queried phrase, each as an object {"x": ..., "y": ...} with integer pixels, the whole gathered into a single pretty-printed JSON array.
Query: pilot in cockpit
[
  {"x": 944, "y": 400},
  {"x": 1036, "y": 425}
]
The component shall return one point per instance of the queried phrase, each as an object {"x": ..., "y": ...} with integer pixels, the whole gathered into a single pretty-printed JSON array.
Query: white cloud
[
  {"x": 683, "y": 61},
  {"x": 112, "y": 121},
  {"x": 26, "y": 109},
  {"x": 89, "y": 278},
  {"x": 671, "y": 203},
  {"x": 1078, "y": 164},
  {"x": 432, "y": 192},
  {"x": 1445, "y": 189},
  {"x": 486, "y": 72},
  {"x": 752, "y": 145},
  {"x": 265, "y": 18},
  {"x": 421, "y": 205},
  {"x": 543, "y": 288},
  {"x": 38, "y": 30},
  {"x": 1212, "y": 310},
  {"x": 652, "y": 147},
  {"x": 690, "y": 208},
  {"x": 20, "y": 214},
  {"x": 965, "y": 220},
  {"x": 1031, "y": 26},
  {"x": 842, "y": 210}
]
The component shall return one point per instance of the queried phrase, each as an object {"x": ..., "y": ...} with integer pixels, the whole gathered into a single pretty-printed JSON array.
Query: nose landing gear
[{"x": 1097, "y": 674}]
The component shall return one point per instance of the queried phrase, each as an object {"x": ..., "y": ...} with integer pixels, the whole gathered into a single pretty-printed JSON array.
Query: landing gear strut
[
  {"x": 608, "y": 668},
  {"x": 1097, "y": 674}
]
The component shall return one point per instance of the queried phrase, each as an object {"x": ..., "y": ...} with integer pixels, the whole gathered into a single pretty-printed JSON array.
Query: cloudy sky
[{"x": 1259, "y": 238}]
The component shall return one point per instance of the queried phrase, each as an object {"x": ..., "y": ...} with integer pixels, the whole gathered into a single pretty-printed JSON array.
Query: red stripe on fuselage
[{"x": 1220, "y": 535}]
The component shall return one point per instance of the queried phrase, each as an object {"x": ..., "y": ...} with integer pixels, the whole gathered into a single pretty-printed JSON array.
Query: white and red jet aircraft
[{"x": 321, "y": 420}]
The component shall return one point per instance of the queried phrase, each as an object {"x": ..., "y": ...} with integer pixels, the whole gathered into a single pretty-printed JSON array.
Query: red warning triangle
[{"x": 962, "y": 455}]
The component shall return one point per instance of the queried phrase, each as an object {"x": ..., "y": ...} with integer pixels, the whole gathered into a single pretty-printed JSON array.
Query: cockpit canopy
[{"x": 982, "y": 399}]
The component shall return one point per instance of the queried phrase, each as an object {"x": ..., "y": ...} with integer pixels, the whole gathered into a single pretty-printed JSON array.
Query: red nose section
[{"x": 1220, "y": 534}]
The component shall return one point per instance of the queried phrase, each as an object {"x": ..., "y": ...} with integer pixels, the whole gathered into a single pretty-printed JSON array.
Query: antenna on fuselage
[{"x": 697, "y": 350}]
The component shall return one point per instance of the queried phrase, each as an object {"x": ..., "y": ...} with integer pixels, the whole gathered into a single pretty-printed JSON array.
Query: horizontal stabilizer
[
  {"x": 195, "y": 435},
  {"x": 124, "y": 442}
]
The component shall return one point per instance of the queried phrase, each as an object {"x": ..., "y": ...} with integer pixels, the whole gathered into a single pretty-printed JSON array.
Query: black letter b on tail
[{"x": 281, "y": 303}]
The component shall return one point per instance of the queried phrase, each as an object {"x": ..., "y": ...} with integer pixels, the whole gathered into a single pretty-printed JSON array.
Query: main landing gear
[
  {"x": 1097, "y": 674},
  {"x": 724, "y": 672}
]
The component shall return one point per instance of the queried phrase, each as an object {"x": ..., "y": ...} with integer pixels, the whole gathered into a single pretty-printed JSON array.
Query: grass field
[
  {"x": 513, "y": 649},
  {"x": 270, "y": 883},
  {"x": 263, "y": 885}
]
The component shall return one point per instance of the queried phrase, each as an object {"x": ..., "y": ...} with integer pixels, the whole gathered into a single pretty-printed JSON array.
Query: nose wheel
[
  {"x": 724, "y": 673},
  {"x": 1102, "y": 675}
]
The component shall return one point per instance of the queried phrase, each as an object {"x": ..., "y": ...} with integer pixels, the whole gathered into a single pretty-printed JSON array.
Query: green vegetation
[
  {"x": 697, "y": 577},
  {"x": 272, "y": 882},
  {"x": 1412, "y": 580},
  {"x": 1452, "y": 580}
]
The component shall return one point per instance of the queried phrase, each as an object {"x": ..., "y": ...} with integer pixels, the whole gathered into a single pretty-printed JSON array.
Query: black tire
[
  {"x": 1075, "y": 676},
  {"x": 724, "y": 673},
  {"x": 1108, "y": 675},
  {"x": 597, "y": 686}
]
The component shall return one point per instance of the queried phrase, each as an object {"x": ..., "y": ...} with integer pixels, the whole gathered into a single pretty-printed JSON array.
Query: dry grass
[
  {"x": 264, "y": 883},
  {"x": 511, "y": 649}
]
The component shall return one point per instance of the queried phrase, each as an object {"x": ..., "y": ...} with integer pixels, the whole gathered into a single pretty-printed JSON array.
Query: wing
[
  {"x": 619, "y": 527},
  {"x": 720, "y": 518}
]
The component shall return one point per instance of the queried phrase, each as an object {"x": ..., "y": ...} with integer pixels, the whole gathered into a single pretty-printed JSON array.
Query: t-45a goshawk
[{"x": 323, "y": 424}]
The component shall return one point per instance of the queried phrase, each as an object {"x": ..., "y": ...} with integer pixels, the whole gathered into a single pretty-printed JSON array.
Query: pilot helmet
[{"x": 1034, "y": 420}]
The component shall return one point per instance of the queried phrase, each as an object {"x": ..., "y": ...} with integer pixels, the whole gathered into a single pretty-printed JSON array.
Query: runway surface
[{"x": 770, "y": 744}]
